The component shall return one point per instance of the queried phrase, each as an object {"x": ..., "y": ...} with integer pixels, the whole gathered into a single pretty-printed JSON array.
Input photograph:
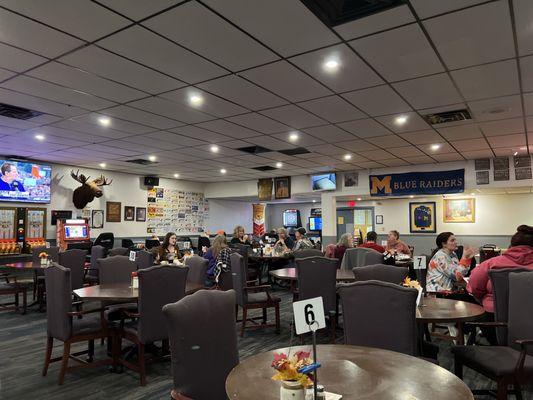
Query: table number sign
[
  {"x": 132, "y": 255},
  {"x": 309, "y": 312},
  {"x": 419, "y": 262}
]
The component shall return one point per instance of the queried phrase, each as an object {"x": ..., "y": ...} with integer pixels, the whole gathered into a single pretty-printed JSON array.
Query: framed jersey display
[{"x": 422, "y": 218}]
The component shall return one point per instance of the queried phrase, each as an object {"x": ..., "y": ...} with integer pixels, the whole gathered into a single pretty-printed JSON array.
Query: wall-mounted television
[
  {"x": 315, "y": 223},
  {"x": 324, "y": 182},
  {"x": 25, "y": 181},
  {"x": 76, "y": 232},
  {"x": 291, "y": 218}
]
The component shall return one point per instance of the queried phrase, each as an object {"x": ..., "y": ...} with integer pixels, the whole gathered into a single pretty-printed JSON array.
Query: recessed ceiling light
[
  {"x": 152, "y": 158},
  {"x": 402, "y": 119},
  {"x": 176, "y": 175},
  {"x": 102, "y": 165},
  {"x": 104, "y": 121},
  {"x": 523, "y": 148},
  {"x": 279, "y": 164},
  {"x": 214, "y": 148},
  {"x": 196, "y": 100},
  {"x": 223, "y": 171},
  {"x": 331, "y": 65},
  {"x": 359, "y": 199},
  {"x": 435, "y": 147},
  {"x": 347, "y": 157},
  {"x": 293, "y": 137},
  {"x": 314, "y": 201},
  {"x": 472, "y": 194},
  {"x": 515, "y": 153},
  {"x": 40, "y": 137},
  {"x": 411, "y": 197}
]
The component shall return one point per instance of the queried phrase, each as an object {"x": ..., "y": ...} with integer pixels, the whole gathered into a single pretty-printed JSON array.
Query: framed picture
[
  {"x": 459, "y": 210},
  {"x": 97, "y": 219},
  {"x": 282, "y": 187},
  {"x": 140, "y": 214},
  {"x": 351, "y": 179},
  {"x": 422, "y": 218},
  {"x": 379, "y": 219},
  {"x": 129, "y": 213},
  {"x": 264, "y": 189},
  {"x": 113, "y": 211}
]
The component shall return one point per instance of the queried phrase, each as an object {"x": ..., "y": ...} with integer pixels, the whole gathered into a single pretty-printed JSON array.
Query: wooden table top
[
  {"x": 447, "y": 310},
  {"x": 23, "y": 265},
  {"x": 355, "y": 373},
  {"x": 121, "y": 291},
  {"x": 290, "y": 274}
]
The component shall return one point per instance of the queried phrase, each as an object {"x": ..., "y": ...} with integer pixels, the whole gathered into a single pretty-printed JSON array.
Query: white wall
[
  {"x": 274, "y": 213},
  {"x": 226, "y": 214}
]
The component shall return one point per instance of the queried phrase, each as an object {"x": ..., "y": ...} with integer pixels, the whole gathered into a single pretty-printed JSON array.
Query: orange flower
[
  {"x": 287, "y": 369},
  {"x": 43, "y": 254}
]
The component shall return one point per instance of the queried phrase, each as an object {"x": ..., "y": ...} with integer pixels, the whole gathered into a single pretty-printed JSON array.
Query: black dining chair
[
  {"x": 191, "y": 323},
  {"x": 128, "y": 244},
  {"x": 106, "y": 239},
  {"x": 38, "y": 274},
  {"x": 75, "y": 261},
  {"x": 306, "y": 253},
  {"x": 116, "y": 269},
  {"x": 158, "y": 286},
  {"x": 97, "y": 252},
  {"x": 9, "y": 287},
  {"x": 144, "y": 259},
  {"x": 360, "y": 257},
  {"x": 197, "y": 269},
  {"x": 381, "y": 272},
  {"x": 118, "y": 251}
]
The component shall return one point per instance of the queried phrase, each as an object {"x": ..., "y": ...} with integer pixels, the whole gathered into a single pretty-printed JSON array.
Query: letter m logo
[{"x": 378, "y": 185}]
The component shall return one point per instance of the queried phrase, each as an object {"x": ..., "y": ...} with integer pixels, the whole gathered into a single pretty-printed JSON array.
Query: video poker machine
[
  {"x": 8, "y": 231},
  {"x": 73, "y": 234},
  {"x": 21, "y": 228}
]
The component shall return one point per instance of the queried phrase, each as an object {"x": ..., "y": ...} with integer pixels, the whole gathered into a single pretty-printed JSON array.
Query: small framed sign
[
  {"x": 133, "y": 254},
  {"x": 308, "y": 313}
]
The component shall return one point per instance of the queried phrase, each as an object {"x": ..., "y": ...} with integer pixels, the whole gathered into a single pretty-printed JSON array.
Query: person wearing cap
[{"x": 302, "y": 242}]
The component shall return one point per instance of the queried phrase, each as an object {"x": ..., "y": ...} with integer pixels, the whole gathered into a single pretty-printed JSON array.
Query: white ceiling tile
[
  {"x": 333, "y": 109},
  {"x": 74, "y": 16},
  {"x": 242, "y": 92},
  {"x": 506, "y": 151},
  {"x": 351, "y": 74},
  {"x": 528, "y": 103},
  {"x": 529, "y": 123},
  {"x": 470, "y": 144},
  {"x": 69, "y": 134},
  {"x": 357, "y": 145},
  {"x": 90, "y": 129},
  {"x": 365, "y": 128},
  {"x": 291, "y": 19},
  {"x": 499, "y": 108},
  {"x": 330, "y": 133},
  {"x": 472, "y": 155},
  {"x": 413, "y": 123},
  {"x": 428, "y": 8},
  {"x": 419, "y": 160},
  {"x": 115, "y": 123},
  {"x": 480, "y": 35},
  {"x": 18, "y": 60},
  {"x": 293, "y": 116},
  {"x": 394, "y": 162},
  {"x": 370, "y": 164},
  {"x": 523, "y": 11},
  {"x": 259, "y": 123},
  {"x": 6, "y": 130},
  {"x": 74, "y": 78},
  {"x": 270, "y": 143},
  {"x": 304, "y": 139},
  {"x": 491, "y": 80},
  {"x": 526, "y": 69},
  {"x": 377, "y": 22},
  {"x": 401, "y": 53},
  {"x": 138, "y": 9},
  {"x": 214, "y": 38},
  {"x": 422, "y": 137},
  {"x": 327, "y": 149},
  {"x": 38, "y": 104},
  {"x": 389, "y": 141},
  {"x": 146, "y": 47},
  {"x": 460, "y": 132},
  {"x": 200, "y": 133},
  {"x": 406, "y": 151},
  {"x": 165, "y": 140},
  {"x": 229, "y": 129},
  {"x": 29, "y": 35},
  {"x": 503, "y": 127},
  {"x": 376, "y": 154},
  {"x": 444, "y": 148},
  {"x": 448, "y": 157},
  {"x": 5, "y": 74},
  {"x": 141, "y": 117},
  {"x": 430, "y": 91},
  {"x": 50, "y": 91},
  {"x": 13, "y": 122},
  {"x": 169, "y": 109},
  {"x": 380, "y": 100},
  {"x": 286, "y": 81},
  {"x": 507, "y": 140}
]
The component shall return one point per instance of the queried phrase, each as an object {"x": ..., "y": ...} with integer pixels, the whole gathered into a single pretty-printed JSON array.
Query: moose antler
[
  {"x": 80, "y": 178},
  {"x": 102, "y": 181}
]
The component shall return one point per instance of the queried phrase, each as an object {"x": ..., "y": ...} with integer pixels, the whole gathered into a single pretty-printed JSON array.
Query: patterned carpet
[{"x": 22, "y": 344}]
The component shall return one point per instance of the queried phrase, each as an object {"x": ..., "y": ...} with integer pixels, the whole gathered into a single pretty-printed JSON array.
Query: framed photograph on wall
[
  {"x": 379, "y": 219},
  {"x": 459, "y": 210},
  {"x": 282, "y": 187},
  {"x": 129, "y": 213},
  {"x": 140, "y": 214},
  {"x": 97, "y": 219},
  {"x": 351, "y": 179},
  {"x": 264, "y": 189},
  {"x": 113, "y": 211},
  {"x": 422, "y": 217}
]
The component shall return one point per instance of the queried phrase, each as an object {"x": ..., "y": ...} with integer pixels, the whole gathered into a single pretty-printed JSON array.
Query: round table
[
  {"x": 290, "y": 274},
  {"x": 120, "y": 292},
  {"x": 355, "y": 373},
  {"x": 24, "y": 266}
]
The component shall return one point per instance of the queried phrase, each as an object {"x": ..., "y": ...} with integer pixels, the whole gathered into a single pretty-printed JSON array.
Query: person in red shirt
[{"x": 370, "y": 243}]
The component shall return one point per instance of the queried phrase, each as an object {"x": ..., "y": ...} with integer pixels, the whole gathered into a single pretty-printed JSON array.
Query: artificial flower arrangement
[
  {"x": 43, "y": 254},
  {"x": 287, "y": 368},
  {"x": 407, "y": 282}
]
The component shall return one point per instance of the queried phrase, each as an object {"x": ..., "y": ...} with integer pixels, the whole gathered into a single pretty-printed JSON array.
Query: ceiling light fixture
[
  {"x": 359, "y": 199},
  {"x": 102, "y": 165},
  {"x": 104, "y": 121},
  {"x": 347, "y": 157},
  {"x": 223, "y": 171},
  {"x": 279, "y": 164},
  {"x": 215, "y": 149},
  {"x": 293, "y": 137},
  {"x": 152, "y": 158},
  {"x": 515, "y": 153},
  {"x": 314, "y": 201},
  {"x": 331, "y": 65},
  {"x": 435, "y": 147},
  {"x": 196, "y": 100},
  {"x": 40, "y": 137},
  {"x": 402, "y": 119},
  {"x": 176, "y": 175},
  {"x": 411, "y": 197},
  {"x": 472, "y": 194}
]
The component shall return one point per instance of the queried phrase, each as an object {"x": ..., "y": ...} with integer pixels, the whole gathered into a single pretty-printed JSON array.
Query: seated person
[
  {"x": 284, "y": 243},
  {"x": 345, "y": 242},
  {"x": 444, "y": 267},
  {"x": 218, "y": 256},
  {"x": 371, "y": 238},
  {"x": 156, "y": 254},
  {"x": 395, "y": 245},
  {"x": 169, "y": 250},
  {"x": 302, "y": 242},
  {"x": 239, "y": 237}
]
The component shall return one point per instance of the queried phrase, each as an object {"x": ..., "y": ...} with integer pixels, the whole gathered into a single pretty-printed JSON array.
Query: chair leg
[
  {"x": 48, "y": 354},
  {"x": 244, "y": 316},
  {"x": 24, "y": 300},
  {"x": 517, "y": 391},
  {"x": 264, "y": 316},
  {"x": 278, "y": 328},
  {"x": 458, "y": 365},
  {"x": 64, "y": 362},
  {"x": 142, "y": 364},
  {"x": 502, "y": 390},
  {"x": 333, "y": 321},
  {"x": 16, "y": 301},
  {"x": 90, "y": 348},
  {"x": 236, "y": 312}
]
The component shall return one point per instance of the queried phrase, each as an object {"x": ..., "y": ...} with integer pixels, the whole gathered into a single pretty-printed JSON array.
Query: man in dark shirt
[
  {"x": 8, "y": 179},
  {"x": 370, "y": 243}
]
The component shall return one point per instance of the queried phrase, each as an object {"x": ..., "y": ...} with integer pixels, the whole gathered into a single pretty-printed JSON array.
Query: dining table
[
  {"x": 355, "y": 372},
  {"x": 24, "y": 266},
  {"x": 290, "y": 274}
]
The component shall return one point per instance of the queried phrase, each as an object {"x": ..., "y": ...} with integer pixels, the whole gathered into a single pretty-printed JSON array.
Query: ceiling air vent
[
  {"x": 336, "y": 12},
  {"x": 293, "y": 152},
  {"x": 9, "y": 111},
  {"x": 254, "y": 149},
  {"x": 447, "y": 116},
  {"x": 141, "y": 161},
  {"x": 264, "y": 168}
]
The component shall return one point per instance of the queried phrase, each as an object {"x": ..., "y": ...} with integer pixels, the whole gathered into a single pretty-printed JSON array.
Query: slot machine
[
  {"x": 73, "y": 234},
  {"x": 8, "y": 231},
  {"x": 35, "y": 228}
]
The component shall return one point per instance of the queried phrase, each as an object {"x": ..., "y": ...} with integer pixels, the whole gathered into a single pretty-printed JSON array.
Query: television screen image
[
  {"x": 25, "y": 181},
  {"x": 324, "y": 182},
  {"x": 315, "y": 223},
  {"x": 75, "y": 232},
  {"x": 290, "y": 218}
]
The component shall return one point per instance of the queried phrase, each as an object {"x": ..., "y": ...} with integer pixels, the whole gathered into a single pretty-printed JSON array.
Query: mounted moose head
[{"x": 88, "y": 189}]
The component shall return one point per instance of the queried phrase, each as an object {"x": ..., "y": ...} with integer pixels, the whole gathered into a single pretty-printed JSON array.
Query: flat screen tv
[
  {"x": 25, "y": 181},
  {"x": 315, "y": 223},
  {"x": 324, "y": 182},
  {"x": 76, "y": 232},
  {"x": 291, "y": 218}
]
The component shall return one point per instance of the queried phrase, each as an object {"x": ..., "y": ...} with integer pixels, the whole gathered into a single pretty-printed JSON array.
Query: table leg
[{"x": 461, "y": 338}]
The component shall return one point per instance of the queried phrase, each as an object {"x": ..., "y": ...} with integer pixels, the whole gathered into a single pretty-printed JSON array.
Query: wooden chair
[
  {"x": 252, "y": 297},
  {"x": 12, "y": 287}
]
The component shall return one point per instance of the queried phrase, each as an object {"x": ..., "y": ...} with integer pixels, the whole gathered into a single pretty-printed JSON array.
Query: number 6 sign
[{"x": 309, "y": 312}]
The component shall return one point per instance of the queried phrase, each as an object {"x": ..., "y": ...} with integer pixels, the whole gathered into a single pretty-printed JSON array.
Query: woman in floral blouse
[{"x": 445, "y": 268}]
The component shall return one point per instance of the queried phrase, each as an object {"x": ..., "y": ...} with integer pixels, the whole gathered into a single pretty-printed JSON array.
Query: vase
[
  {"x": 291, "y": 390},
  {"x": 43, "y": 262}
]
